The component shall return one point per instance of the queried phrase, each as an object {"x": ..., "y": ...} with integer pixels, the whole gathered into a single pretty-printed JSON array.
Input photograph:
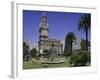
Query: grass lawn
[{"x": 34, "y": 64}]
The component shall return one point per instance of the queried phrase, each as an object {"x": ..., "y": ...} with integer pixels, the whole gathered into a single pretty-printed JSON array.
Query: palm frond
[{"x": 84, "y": 22}]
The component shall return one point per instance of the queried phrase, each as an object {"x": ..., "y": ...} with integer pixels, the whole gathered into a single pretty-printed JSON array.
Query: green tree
[
  {"x": 46, "y": 53},
  {"x": 83, "y": 44},
  {"x": 85, "y": 24},
  {"x": 80, "y": 59},
  {"x": 70, "y": 37},
  {"x": 26, "y": 51},
  {"x": 33, "y": 52}
]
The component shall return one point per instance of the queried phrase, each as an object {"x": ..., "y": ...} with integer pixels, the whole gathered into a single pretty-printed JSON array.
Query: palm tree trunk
[
  {"x": 71, "y": 47},
  {"x": 87, "y": 39}
]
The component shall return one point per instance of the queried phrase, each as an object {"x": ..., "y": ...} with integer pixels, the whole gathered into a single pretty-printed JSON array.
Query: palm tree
[
  {"x": 85, "y": 24},
  {"x": 70, "y": 37}
]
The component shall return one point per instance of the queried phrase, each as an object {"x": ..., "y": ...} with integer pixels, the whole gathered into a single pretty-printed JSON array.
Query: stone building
[
  {"x": 46, "y": 43},
  {"x": 76, "y": 44}
]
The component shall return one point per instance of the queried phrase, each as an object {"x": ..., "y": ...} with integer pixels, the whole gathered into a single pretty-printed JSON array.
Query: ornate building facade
[
  {"x": 76, "y": 44},
  {"x": 46, "y": 43}
]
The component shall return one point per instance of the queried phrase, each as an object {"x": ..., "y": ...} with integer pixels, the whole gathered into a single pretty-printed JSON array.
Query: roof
[{"x": 55, "y": 40}]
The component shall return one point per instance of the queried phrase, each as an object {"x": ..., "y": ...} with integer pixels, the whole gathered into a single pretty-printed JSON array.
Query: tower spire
[
  {"x": 43, "y": 30},
  {"x": 44, "y": 13}
]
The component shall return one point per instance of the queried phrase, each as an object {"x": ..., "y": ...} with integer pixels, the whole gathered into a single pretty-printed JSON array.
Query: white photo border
[{"x": 17, "y": 39}]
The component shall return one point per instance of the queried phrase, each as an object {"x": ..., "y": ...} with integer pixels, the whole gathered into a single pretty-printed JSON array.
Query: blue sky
[{"x": 60, "y": 23}]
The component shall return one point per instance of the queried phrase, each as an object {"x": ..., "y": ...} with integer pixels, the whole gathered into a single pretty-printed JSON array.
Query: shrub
[
  {"x": 33, "y": 52},
  {"x": 81, "y": 58}
]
